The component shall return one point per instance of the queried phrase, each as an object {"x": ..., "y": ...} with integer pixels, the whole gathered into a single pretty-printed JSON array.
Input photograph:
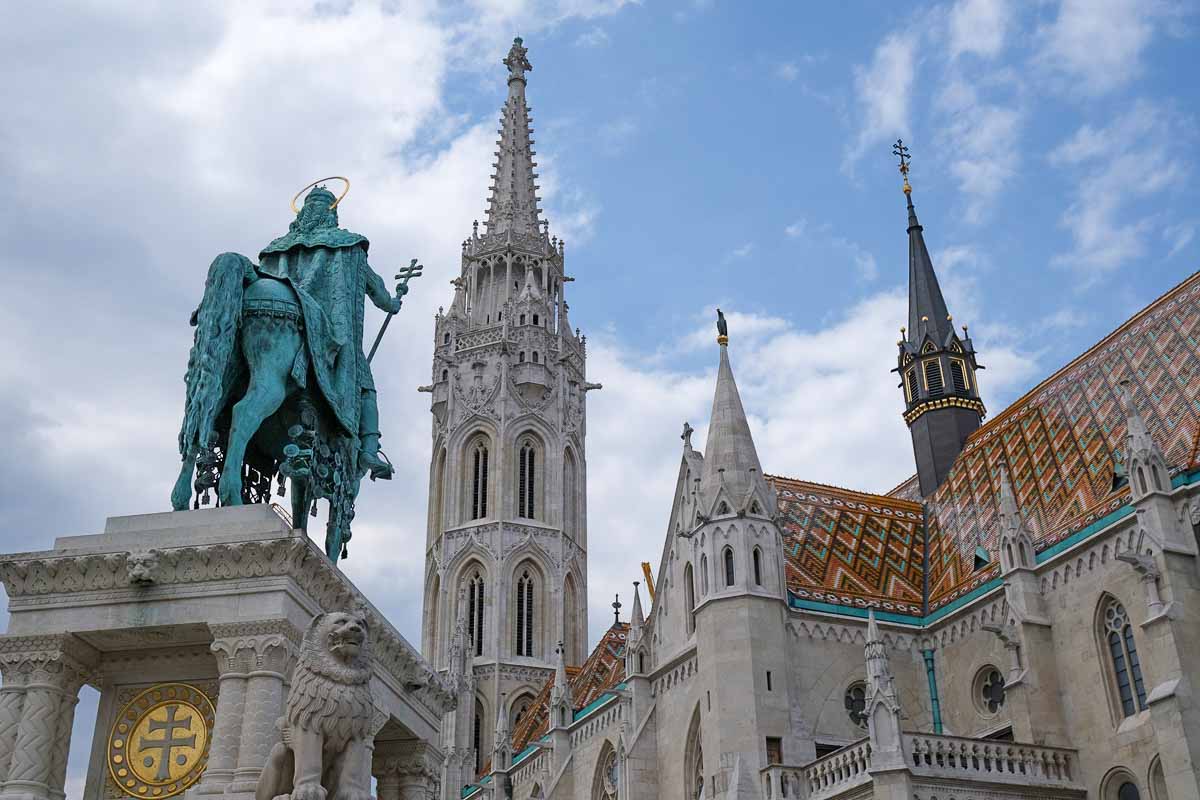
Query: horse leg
[
  {"x": 181, "y": 495},
  {"x": 262, "y": 399}
]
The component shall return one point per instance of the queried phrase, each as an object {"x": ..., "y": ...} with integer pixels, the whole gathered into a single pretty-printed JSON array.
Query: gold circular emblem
[{"x": 159, "y": 742}]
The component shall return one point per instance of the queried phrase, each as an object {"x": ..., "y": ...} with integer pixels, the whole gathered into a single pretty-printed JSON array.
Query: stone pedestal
[{"x": 163, "y": 609}]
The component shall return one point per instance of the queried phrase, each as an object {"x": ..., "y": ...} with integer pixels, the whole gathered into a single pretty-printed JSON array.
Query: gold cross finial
[{"x": 899, "y": 149}]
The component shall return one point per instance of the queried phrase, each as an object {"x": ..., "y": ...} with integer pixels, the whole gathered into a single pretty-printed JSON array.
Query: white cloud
[
  {"x": 884, "y": 93},
  {"x": 595, "y": 37},
  {"x": 615, "y": 135},
  {"x": 979, "y": 27},
  {"x": 980, "y": 141},
  {"x": 1179, "y": 236},
  {"x": 1095, "y": 46},
  {"x": 864, "y": 261},
  {"x": 1130, "y": 158},
  {"x": 740, "y": 252},
  {"x": 788, "y": 71}
]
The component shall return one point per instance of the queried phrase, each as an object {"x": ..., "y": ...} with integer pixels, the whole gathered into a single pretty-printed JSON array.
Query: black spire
[
  {"x": 937, "y": 366},
  {"x": 927, "y": 314}
]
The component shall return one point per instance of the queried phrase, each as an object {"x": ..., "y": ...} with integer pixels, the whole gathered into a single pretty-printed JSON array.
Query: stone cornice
[{"x": 48, "y": 573}]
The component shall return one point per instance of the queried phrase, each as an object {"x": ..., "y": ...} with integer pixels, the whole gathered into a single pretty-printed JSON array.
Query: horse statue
[{"x": 278, "y": 387}]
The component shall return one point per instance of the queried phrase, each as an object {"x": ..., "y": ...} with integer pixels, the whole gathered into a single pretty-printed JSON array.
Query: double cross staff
[
  {"x": 901, "y": 150},
  {"x": 403, "y": 276}
]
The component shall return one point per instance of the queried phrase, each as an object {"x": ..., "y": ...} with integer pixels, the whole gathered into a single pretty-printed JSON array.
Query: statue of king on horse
[{"x": 277, "y": 384}]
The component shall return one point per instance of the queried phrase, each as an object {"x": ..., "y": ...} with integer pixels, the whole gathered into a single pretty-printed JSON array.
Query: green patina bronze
[{"x": 278, "y": 387}]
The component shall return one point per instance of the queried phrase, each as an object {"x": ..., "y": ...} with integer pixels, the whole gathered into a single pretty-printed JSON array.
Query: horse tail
[{"x": 213, "y": 363}]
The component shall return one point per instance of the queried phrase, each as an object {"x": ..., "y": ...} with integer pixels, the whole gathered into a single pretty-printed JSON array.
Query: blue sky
[{"x": 693, "y": 154}]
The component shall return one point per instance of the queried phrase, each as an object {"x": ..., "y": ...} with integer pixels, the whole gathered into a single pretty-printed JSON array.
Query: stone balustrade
[
  {"x": 530, "y": 768},
  {"x": 826, "y": 777},
  {"x": 929, "y": 755}
]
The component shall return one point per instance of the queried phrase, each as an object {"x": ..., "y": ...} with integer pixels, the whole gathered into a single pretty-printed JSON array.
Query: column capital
[
  {"x": 58, "y": 659},
  {"x": 408, "y": 759},
  {"x": 266, "y": 644}
]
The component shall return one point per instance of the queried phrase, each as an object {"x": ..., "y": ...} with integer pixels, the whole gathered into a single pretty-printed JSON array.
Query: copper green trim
[{"x": 935, "y": 705}]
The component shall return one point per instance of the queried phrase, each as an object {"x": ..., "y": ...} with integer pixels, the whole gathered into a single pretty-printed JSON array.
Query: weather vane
[{"x": 899, "y": 149}]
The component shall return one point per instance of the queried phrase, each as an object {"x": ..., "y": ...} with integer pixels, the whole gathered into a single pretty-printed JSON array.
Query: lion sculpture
[{"x": 325, "y": 753}]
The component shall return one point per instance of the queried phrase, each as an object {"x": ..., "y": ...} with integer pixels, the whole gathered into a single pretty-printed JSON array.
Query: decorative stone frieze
[{"x": 31, "y": 576}]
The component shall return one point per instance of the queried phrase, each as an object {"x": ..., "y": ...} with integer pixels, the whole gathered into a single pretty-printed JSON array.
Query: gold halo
[{"x": 314, "y": 183}]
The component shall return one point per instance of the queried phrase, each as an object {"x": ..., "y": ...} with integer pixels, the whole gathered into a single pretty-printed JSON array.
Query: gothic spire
[
  {"x": 942, "y": 406},
  {"x": 561, "y": 702},
  {"x": 636, "y": 618},
  {"x": 730, "y": 460},
  {"x": 927, "y": 314},
  {"x": 512, "y": 206}
]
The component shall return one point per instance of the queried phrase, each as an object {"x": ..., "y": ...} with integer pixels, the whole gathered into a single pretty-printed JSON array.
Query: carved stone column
[
  {"x": 52, "y": 669},
  {"x": 269, "y": 648},
  {"x": 407, "y": 770},
  {"x": 12, "y": 699},
  {"x": 234, "y": 659},
  {"x": 387, "y": 786}
]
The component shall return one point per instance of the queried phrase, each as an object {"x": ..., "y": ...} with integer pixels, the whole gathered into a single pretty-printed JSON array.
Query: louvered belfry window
[
  {"x": 933, "y": 377},
  {"x": 958, "y": 376},
  {"x": 479, "y": 481},
  {"x": 525, "y": 615},
  {"x": 910, "y": 383},
  {"x": 475, "y": 612},
  {"x": 525, "y": 481}
]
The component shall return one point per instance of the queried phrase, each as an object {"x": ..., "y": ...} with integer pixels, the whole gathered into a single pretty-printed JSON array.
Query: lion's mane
[{"x": 327, "y": 694}]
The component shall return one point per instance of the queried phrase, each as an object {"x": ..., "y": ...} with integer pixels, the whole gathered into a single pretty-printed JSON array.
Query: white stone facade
[{"x": 507, "y": 543}]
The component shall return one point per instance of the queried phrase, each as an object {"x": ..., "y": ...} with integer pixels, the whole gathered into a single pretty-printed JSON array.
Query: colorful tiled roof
[
  {"x": 603, "y": 670},
  {"x": 851, "y": 548},
  {"x": 1060, "y": 439}
]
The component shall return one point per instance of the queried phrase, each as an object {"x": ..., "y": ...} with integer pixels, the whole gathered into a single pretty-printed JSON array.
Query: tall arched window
[
  {"x": 693, "y": 756},
  {"x": 1117, "y": 634},
  {"x": 757, "y": 557},
  {"x": 526, "y": 480},
  {"x": 570, "y": 610},
  {"x": 524, "y": 614},
  {"x": 479, "y": 480},
  {"x": 518, "y": 710},
  {"x": 570, "y": 503},
  {"x": 704, "y": 575},
  {"x": 475, "y": 610},
  {"x": 689, "y": 599},
  {"x": 727, "y": 557},
  {"x": 432, "y": 608},
  {"x": 437, "y": 502},
  {"x": 477, "y": 736}
]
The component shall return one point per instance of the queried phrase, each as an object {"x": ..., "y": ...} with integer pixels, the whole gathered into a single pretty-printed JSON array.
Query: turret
[{"x": 937, "y": 367}]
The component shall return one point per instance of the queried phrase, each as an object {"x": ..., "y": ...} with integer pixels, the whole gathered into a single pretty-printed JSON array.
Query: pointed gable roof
[{"x": 731, "y": 462}]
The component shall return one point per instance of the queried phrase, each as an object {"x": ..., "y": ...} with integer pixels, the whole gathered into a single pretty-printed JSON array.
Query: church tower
[
  {"x": 937, "y": 367},
  {"x": 507, "y": 532}
]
